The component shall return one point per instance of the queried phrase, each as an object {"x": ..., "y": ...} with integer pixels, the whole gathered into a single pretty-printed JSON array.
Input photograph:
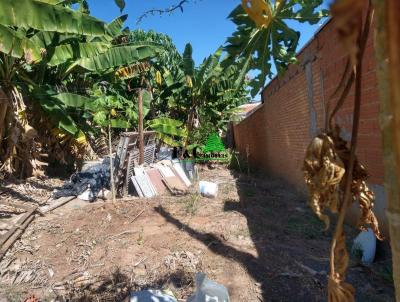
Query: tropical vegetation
[{"x": 68, "y": 76}]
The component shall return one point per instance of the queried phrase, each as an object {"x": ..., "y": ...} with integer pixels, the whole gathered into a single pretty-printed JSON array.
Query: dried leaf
[{"x": 323, "y": 172}]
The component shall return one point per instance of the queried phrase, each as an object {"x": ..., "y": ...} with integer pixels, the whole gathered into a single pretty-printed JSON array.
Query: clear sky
[{"x": 203, "y": 23}]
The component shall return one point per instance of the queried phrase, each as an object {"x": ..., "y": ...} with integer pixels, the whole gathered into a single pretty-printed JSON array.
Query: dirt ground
[{"x": 258, "y": 238}]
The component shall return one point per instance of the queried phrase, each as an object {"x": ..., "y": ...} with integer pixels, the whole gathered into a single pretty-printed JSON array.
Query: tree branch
[{"x": 168, "y": 10}]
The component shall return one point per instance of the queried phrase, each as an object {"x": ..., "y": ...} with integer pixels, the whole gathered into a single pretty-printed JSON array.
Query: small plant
[
  {"x": 191, "y": 203},
  {"x": 140, "y": 239}
]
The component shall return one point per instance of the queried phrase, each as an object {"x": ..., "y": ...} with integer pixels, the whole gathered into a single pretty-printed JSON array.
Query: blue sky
[{"x": 203, "y": 23}]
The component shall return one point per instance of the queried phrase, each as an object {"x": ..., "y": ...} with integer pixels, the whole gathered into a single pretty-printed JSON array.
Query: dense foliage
[{"x": 62, "y": 68}]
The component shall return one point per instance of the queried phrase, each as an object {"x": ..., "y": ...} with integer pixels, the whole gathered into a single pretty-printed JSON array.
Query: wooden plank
[
  {"x": 15, "y": 235},
  {"x": 16, "y": 226},
  {"x": 58, "y": 203}
]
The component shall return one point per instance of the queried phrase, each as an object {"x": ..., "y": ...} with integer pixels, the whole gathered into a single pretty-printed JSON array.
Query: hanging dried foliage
[
  {"x": 334, "y": 177},
  {"x": 323, "y": 172},
  {"x": 325, "y": 163}
]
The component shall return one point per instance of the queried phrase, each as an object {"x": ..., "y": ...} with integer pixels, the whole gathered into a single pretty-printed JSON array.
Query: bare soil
[{"x": 258, "y": 238}]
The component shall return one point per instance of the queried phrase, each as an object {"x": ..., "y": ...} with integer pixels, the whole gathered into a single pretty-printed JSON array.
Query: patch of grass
[
  {"x": 306, "y": 225},
  {"x": 190, "y": 203}
]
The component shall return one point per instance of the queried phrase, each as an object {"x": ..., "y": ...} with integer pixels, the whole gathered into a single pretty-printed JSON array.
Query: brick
[{"x": 278, "y": 133}]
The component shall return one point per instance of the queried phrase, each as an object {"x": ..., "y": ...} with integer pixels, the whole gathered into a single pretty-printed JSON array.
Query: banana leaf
[
  {"x": 63, "y": 53},
  {"x": 115, "y": 57},
  {"x": 17, "y": 46},
  {"x": 44, "y": 16},
  {"x": 168, "y": 126},
  {"x": 76, "y": 101},
  {"x": 115, "y": 27}
]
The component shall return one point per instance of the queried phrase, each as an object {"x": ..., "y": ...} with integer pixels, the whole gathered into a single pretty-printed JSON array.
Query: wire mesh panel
[{"x": 127, "y": 157}]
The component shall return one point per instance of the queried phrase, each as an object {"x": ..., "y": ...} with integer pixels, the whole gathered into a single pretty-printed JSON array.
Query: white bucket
[{"x": 208, "y": 189}]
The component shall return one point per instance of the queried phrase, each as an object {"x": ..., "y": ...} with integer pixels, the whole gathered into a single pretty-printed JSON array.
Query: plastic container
[
  {"x": 208, "y": 189},
  {"x": 365, "y": 243},
  {"x": 208, "y": 290}
]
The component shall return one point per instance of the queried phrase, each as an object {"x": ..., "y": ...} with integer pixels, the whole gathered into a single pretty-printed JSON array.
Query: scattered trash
[
  {"x": 365, "y": 243},
  {"x": 208, "y": 189},
  {"x": 208, "y": 290},
  {"x": 94, "y": 178},
  {"x": 87, "y": 195},
  {"x": 153, "y": 296}
]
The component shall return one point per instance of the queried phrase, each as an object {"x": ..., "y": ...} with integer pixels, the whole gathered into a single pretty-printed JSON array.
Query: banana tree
[
  {"x": 210, "y": 89},
  {"x": 263, "y": 36},
  {"x": 20, "y": 51},
  {"x": 39, "y": 51}
]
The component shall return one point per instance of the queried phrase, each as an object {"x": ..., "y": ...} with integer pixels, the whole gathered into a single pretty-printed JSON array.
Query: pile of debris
[
  {"x": 172, "y": 175},
  {"x": 157, "y": 175}
]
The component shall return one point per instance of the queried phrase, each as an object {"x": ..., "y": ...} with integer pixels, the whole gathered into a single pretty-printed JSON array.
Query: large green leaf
[
  {"x": 76, "y": 101},
  {"x": 168, "y": 126},
  {"x": 252, "y": 47},
  {"x": 168, "y": 129},
  {"x": 117, "y": 56},
  {"x": 117, "y": 123},
  {"x": 57, "y": 114},
  {"x": 115, "y": 27},
  {"x": 65, "y": 52},
  {"x": 43, "y": 16},
  {"x": 16, "y": 45}
]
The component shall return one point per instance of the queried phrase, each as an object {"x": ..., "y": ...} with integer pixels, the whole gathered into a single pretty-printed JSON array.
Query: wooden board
[
  {"x": 156, "y": 180},
  {"x": 174, "y": 184}
]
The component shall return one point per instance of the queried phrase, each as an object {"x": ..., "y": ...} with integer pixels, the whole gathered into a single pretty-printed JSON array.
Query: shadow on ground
[{"x": 292, "y": 250}]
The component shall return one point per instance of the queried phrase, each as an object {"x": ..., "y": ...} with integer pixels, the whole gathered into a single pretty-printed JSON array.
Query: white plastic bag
[{"x": 208, "y": 189}]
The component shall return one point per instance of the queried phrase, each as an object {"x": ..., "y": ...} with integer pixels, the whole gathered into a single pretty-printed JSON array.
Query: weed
[
  {"x": 191, "y": 203},
  {"x": 140, "y": 239}
]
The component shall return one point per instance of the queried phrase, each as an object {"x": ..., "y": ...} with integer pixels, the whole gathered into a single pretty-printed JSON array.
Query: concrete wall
[{"x": 278, "y": 133}]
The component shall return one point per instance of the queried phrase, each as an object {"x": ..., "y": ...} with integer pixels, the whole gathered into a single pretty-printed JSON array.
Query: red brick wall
[{"x": 279, "y": 132}]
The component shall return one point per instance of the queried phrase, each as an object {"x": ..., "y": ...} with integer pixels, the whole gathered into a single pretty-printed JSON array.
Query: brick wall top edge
[{"x": 292, "y": 68}]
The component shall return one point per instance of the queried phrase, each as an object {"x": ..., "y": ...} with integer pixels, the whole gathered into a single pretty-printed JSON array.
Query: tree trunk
[
  {"x": 387, "y": 46},
  {"x": 113, "y": 193},
  {"x": 141, "y": 136},
  {"x": 3, "y": 112}
]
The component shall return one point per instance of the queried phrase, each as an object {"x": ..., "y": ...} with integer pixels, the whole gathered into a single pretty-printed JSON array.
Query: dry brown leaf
[{"x": 323, "y": 171}]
